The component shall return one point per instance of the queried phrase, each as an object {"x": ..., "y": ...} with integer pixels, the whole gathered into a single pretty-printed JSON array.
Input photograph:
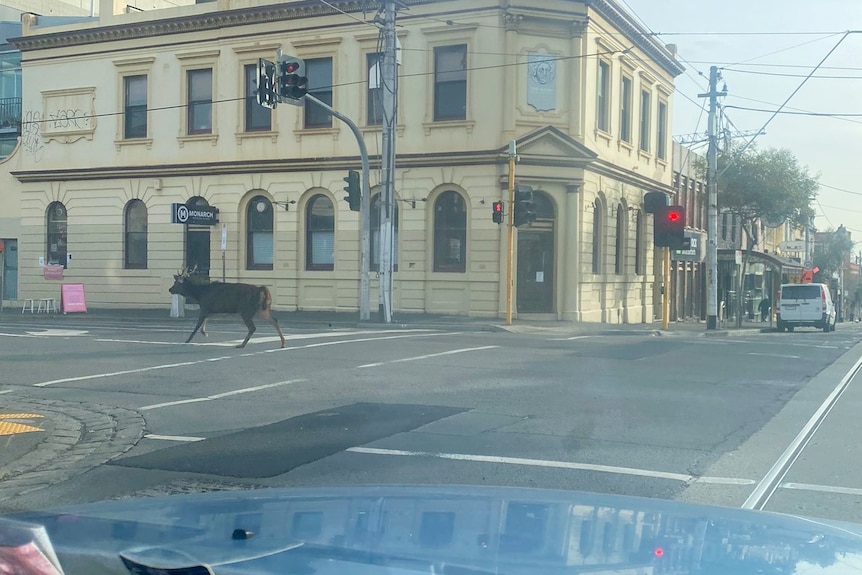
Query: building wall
[{"x": 76, "y": 153}]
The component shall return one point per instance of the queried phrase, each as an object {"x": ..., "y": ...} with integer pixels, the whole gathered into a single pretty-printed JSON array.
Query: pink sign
[
  {"x": 52, "y": 272},
  {"x": 72, "y": 298}
]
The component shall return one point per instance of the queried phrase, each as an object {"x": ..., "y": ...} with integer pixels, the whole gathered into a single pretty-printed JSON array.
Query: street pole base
[{"x": 712, "y": 322}]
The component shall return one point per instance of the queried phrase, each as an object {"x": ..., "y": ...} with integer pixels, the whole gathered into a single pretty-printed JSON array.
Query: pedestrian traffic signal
[
  {"x": 292, "y": 83},
  {"x": 525, "y": 207},
  {"x": 654, "y": 201},
  {"x": 497, "y": 212},
  {"x": 354, "y": 193},
  {"x": 669, "y": 228},
  {"x": 266, "y": 95}
]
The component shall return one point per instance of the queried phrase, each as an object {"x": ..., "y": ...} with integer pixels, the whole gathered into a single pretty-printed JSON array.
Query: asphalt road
[{"x": 687, "y": 417}]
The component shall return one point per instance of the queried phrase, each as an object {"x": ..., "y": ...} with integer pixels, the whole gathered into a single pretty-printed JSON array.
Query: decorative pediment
[{"x": 551, "y": 143}]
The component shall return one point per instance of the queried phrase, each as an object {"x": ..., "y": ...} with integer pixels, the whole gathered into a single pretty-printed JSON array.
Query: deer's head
[{"x": 181, "y": 281}]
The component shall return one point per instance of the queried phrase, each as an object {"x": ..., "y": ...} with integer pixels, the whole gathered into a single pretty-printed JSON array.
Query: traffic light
[
  {"x": 654, "y": 201},
  {"x": 669, "y": 228},
  {"x": 292, "y": 83},
  {"x": 266, "y": 95},
  {"x": 354, "y": 194},
  {"x": 525, "y": 207},
  {"x": 497, "y": 212}
]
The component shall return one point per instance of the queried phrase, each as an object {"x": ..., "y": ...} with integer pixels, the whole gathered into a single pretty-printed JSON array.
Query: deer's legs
[
  {"x": 201, "y": 319},
  {"x": 251, "y": 329},
  {"x": 265, "y": 314}
]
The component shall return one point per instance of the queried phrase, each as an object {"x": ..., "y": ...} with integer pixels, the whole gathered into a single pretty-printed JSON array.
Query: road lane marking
[
  {"x": 557, "y": 465},
  {"x": 262, "y": 339},
  {"x": 775, "y": 355},
  {"x": 200, "y": 361},
  {"x": 418, "y": 357},
  {"x": 822, "y": 488},
  {"x": 219, "y": 395},
  {"x": 767, "y": 486},
  {"x": 17, "y": 335},
  {"x": 571, "y": 338},
  {"x": 184, "y": 438},
  {"x": 6, "y": 391}
]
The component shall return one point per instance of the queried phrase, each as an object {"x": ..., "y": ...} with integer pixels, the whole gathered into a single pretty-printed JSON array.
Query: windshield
[{"x": 449, "y": 286}]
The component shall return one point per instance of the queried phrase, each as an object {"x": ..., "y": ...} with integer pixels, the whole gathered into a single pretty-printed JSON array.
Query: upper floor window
[
  {"x": 661, "y": 145},
  {"x": 626, "y": 110},
  {"x": 135, "y": 106},
  {"x": 319, "y": 73},
  {"x": 57, "y": 234},
  {"x": 374, "y": 102},
  {"x": 135, "y": 241},
  {"x": 450, "y": 82},
  {"x": 259, "y": 240},
  {"x": 257, "y": 118},
  {"x": 200, "y": 101},
  {"x": 320, "y": 234},
  {"x": 375, "y": 234},
  {"x": 645, "y": 121},
  {"x": 450, "y": 233},
  {"x": 603, "y": 96}
]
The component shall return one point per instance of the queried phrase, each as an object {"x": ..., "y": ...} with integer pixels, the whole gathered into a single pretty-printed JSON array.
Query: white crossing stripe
[
  {"x": 262, "y": 339},
  {"x": 219, "y": 395},
  {"x": 184, "y": 438},
  {"x": 823, "y": 488},
  {"x": 418, "y": 357},
  {"x": 212, "y": 359},
  {"x": 558, "y": 465}
]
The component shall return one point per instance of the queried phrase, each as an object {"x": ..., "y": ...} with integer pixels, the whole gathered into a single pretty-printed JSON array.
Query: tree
[
  {"x": 763, "y": 186},
  {"x": 830, "y": 251}
]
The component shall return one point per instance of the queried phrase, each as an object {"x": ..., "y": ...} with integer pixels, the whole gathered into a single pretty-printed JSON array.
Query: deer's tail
[{"x": 265, "y": 298}]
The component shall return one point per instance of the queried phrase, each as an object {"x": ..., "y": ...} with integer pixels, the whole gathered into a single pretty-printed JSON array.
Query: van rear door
[{"x": 801, "y": 302}]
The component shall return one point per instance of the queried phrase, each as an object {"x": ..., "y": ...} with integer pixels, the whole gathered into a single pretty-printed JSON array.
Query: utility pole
[
  {"x": 510, "y": 228},
  {"x": 387, "y": 205},
  {"x": 712, "y": 211}
]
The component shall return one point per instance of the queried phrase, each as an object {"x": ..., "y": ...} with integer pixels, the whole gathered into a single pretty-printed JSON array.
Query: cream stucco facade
[{"x": 586, "y": 94}]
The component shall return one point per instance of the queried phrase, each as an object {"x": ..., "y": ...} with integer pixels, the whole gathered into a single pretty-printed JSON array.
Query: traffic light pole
[
  {"x": 364, "y": 215},
  {"x": 665, "y": 290},
  {"x": 510, "y": 224},
  {"x": 387, "y": 205}
]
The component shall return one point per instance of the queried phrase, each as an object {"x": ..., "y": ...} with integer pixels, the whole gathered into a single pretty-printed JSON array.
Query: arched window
[
  {"x": 259, "y": 236},
  {"x": 135, "y": 241},
  {"x": 639, "y": 255},
  {"x": 57, "y": 234},
  {"x": 598, "y": 233},
  {"x": 619, "y": 244},
  {"x": 450, "y": 233},
  {"x": 319, "y": 234},
  {"x": 375, "y": 234}
]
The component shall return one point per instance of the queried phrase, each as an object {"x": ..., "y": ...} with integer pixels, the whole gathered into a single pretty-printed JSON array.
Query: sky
[{"x": 764, "y": 49}]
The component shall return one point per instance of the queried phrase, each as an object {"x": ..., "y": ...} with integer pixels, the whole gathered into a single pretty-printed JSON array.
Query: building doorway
[
  {"x": 198, "y": 242},
  {"x": 536, "y": 260}
]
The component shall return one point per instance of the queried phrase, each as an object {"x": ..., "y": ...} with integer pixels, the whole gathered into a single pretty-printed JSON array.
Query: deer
[{"x": 229, "y": 298}]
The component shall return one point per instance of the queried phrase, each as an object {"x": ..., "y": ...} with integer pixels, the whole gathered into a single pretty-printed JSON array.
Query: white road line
[
  {"x": 219, "y": 395},
  {"x": 557, "y": 465},
  {"x": 822, "y": 488},
  {"x": 6, "y": 391},
  {"x": 185, "y": 438},
  {"x": 418, "y": 357},
  {"x": 200, "y": 361},
  {"x": 17, "y": 335},
  {"x": 571, "y": 338},
  {"x": 776, "y": 355},
  {"x": 262, "y": 339}
]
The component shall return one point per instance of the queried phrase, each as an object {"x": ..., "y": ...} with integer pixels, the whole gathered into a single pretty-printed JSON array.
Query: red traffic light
[
  {"x": 498, "y": 207},
  {"x": 292, "y": 67},
  {"x": 673, "y": 215}
]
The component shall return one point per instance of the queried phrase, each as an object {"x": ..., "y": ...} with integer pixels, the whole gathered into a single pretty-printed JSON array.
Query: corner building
[{"x": 134, "y": 112}]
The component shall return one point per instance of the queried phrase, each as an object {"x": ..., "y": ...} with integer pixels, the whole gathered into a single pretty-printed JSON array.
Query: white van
[{"x": 805, "y": 305}]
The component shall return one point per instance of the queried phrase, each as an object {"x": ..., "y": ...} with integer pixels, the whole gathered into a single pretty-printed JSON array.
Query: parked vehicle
[{"x": 805, "y": 305}]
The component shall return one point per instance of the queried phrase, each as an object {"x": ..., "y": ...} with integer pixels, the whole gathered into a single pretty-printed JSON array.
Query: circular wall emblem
[{"x": 183, "y": 214}]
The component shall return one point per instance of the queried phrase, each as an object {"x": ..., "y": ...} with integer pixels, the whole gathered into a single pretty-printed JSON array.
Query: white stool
[
  {"x": 46, "y": 303},
  {"x": 30, "y": 302}
]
